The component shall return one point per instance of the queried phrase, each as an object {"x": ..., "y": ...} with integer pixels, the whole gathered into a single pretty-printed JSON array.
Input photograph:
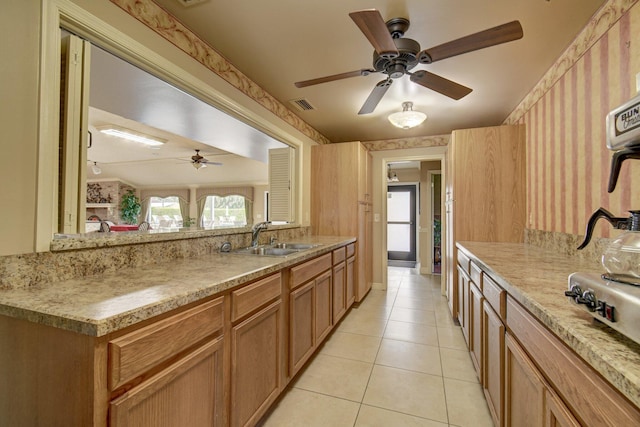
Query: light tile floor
[{"x": 396, "y": 360}]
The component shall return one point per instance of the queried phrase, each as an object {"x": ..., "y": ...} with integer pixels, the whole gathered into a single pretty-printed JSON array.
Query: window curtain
[
  {"x": 201, "y": 204},
  {"x": 145, "y": 205},
  {"x": 184, "y": 209},
  {"x": 246, "y": 192},
  {"x": 248, "y": 210}
]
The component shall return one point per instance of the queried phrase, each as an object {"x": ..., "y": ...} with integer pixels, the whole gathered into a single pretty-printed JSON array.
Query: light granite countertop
[
  {"x": 102, "y": 304},
  {"x": 537, "y": 279}
]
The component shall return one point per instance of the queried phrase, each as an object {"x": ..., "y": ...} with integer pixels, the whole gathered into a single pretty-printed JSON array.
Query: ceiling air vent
[
  {"x": 188, "y": 3},
  {"x": 302, "y": 104}
]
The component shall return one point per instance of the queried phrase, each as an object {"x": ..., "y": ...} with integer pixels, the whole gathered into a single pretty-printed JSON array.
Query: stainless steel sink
[
  {"x": 286, "y": 245},
  {"x": 265, "y": 251},
  {"x": 277, "y": 249}
]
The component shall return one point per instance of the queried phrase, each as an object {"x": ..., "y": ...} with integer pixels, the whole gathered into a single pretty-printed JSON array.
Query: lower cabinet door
[
  {"x": 187, "y": 393},
  {"x": 463, "y": 302},
  {"x": 524, "y": 388},
  {"x": 475, "y": 319},
  {"x": 493, "y": 362},
  {"x": 301, "y": 325},
  {"x": 255, "y": 364},
  {"x": 324, "y": 319},
  {"x": 351, "y": 281},
  {"x": 339, "y": 292},
  {"x": 557, "y": 414}
]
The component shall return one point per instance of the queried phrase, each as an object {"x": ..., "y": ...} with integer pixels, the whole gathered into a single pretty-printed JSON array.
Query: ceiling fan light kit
[
  {"x": 407, "y": 118},
  {"x": 198, "y": 161},
  {"x": 199, "y": 165},
  {"x": 131, "y": 135},
  {"x": 395, "y": 55}
]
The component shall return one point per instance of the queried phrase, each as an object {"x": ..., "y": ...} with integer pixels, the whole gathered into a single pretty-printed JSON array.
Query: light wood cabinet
[
  {"x": 529, "y": 400},
  {"x": 188, "y": 392},
  {"x": 137, "y": 352},
  {"x": 493, "y": 362},
  {"x": 529, "y": 377},
  {"x": 592, "y": 400},
  {"x": 310, "y": 309},
  {"x": 341, "y": 201},
  {"x": 159, "y": 373},
  {"x": 556, "y": 412},
  {"x": 221, "y": 361},
  {"x": 524, "y": 388},
  {"x": 339, "y": 284},
  {"x": 476, "y": 301},
  {"x": 485, "y": 192},
  {"x": 339, "y": 291},
  {"x": 463, "y": 303},
  {"x": 350, "y": 277},
  {"x": 256, "y": 349},
  {"x": 324, "y": 318},
  {"x": 302, "y": 326}
]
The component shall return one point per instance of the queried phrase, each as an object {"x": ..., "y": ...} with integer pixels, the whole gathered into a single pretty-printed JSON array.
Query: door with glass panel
[{"x": 401, "y": 224}]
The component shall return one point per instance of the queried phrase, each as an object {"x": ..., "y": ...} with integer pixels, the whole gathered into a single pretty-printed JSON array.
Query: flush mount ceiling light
[
  {"x": 407, "y": 118},
  {"x": 131, "y": 135}
]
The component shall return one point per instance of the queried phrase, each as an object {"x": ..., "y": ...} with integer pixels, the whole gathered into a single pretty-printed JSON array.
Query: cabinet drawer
[
  {"x": 310, "y": 269},
  {"x": 135, "y": 353},
  {"x": 339, "y": 255},
  {"x": 254, "y": 296},
  {"x": 476, "y": 275},
  {"x": 495, "y": 296},
  {"x": 351, "y": 250},
  {"x": 464, "y": 261}
]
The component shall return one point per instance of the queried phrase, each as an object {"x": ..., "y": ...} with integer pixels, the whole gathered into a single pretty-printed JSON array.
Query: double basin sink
[{"x": 277, "y": 249}]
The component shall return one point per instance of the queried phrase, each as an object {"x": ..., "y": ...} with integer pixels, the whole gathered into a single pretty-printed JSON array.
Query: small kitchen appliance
[{"x": 614, "y": 296}]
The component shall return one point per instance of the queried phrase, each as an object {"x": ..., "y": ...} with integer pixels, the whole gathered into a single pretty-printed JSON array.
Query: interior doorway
[
  {"x": 435, "y": 180},
  {"x": 401, "y": 225}
]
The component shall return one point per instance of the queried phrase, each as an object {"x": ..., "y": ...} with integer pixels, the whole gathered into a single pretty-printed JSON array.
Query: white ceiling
[
  {"x": 278, "y": 42},
  {"x": 126, "y": 96}
]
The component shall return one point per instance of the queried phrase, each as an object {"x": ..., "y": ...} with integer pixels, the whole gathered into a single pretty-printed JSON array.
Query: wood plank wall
[{"x": 568, "y": 163}]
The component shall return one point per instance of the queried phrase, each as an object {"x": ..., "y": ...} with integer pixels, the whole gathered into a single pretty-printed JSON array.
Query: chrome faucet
[{"x": 255, "y": 232}]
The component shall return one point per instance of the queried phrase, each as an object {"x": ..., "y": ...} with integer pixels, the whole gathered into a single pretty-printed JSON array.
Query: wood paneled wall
[{"x": 568, "y": 163}]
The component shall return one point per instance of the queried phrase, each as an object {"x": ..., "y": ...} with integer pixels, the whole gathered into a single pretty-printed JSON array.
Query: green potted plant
[
  {"x": 130, "y": 207},
  {"x": 188, "y": 222}
]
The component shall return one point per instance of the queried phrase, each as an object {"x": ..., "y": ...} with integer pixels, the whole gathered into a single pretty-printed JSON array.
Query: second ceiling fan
[{"x": 395, "y": 55}]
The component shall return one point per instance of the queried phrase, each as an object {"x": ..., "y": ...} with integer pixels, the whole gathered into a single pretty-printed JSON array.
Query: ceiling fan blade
[
  {"x": 493, "y": 36},
  {"x": 207, "y": 162},
  {"x": 363, "y": 72},
  {"x": 440, "y": 84},
  {"x": 375, "y": 96},
  {"x": 375, "y": 30}
]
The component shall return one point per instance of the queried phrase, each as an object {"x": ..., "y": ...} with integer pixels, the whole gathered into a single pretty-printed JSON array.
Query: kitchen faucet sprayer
[{"x": 255, "y": 232}]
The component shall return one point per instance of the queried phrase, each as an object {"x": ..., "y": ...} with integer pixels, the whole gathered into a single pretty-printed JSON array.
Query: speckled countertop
[
  {"x": 102, "y": 304},
  {"x": 537, "y": 279}
]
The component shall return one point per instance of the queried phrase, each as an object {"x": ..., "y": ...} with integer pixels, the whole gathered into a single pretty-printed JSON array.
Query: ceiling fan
[
  {"x": 395, "y": 55},
  {"x": 200, "y": 162}
]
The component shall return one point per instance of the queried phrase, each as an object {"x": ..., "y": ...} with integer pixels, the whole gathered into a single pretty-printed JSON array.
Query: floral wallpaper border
[{"x": 403, "y": 143}]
